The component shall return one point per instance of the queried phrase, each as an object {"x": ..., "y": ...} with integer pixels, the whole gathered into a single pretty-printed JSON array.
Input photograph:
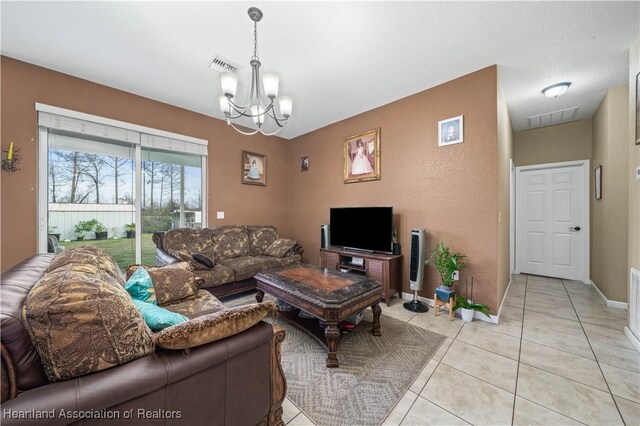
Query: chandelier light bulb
[
  {"x": 286, "y": 105},
  {"x": 225, "y": 106},
  {"x": 270, "y": 81},
  {"x": 257, "y": 111},
  {"x": 229, "y": 83}
]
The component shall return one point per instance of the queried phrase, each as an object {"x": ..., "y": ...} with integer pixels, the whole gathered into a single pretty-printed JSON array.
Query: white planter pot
[{"x": 467, "y": 314}]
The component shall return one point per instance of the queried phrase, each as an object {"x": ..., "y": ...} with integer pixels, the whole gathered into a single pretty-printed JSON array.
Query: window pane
[
  {"x": 91, "y": 194},
  {"x": 171, "y": 194}
]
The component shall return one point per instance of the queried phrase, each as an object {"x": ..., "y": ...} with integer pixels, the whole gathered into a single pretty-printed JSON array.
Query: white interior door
[{"x": 552, "y": 220}]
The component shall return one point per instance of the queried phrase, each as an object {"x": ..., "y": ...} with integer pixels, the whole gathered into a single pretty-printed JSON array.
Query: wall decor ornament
[
  {"x": 11, "y": 160},
  {"x": 304, "y": 163},
  {"x": 598, "y": 182},
  {"x": 254, "y": 168},
  {"x": 362, "y": 156},
  {"x": 450, "y": 131}
]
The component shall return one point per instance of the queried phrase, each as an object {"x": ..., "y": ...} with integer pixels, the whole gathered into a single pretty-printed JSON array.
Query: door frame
[{"x": 585, "y": 164}]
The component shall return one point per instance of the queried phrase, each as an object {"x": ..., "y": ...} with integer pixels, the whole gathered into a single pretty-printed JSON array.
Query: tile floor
[{"x": 558, "y": 357}]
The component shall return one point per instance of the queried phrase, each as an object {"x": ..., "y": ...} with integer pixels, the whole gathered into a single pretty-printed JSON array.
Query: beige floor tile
[
  {"x": 439, "y": 324},
  {"x": 560, "y": 312},
  {"x": 534, "y": 319},
  {"x": 442, "y": 349},
  {"x": 628, "y": 359},
  {"x": 578, "y": 287},
  {"x": 424, "y": 376},
  {"x": 576, "y": 345},
  {"x": 301, "y": 420},
  {"x": 601, "y": 310},
  {"x": 602, "y": 320},
  {"x": 425, "y": 412},
  {"x": 623, "y": 383},
  {"x": 485, "y": 338},
  {"x": 606, "y": 335},
  {"x": 527, "y": 413},
  {"x": 400, "y": 410},
  {"x": 572, "y": 399},
  {"x": 510, "y": 312},
  {"x": 289, "y": 410},
  {"x": 483, "y": 404},
  {"x": 514, "y": 301},
  {"x": 506, "y": 326},
  {"x": 564, "y": 364},
  {"x": 586, "y": 300},
  {"x": 495, "y": 369},
  {"x": 630, "y": 411},
  {"x": 397, "y": 310}
]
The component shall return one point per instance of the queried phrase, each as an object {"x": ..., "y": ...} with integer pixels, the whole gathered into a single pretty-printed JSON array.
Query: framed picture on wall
[
  {"x": 638, "y": 109},
  {"x": 362, "y": 156},
  {"x": 254, "y": 168},
  {"x": 450, "y": 131},
  {"x": 598, "y": 182},
  {"x": 304, "y": 163}
]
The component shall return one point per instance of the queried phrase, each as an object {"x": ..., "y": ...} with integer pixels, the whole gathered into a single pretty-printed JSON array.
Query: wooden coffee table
[{"x": 330, "y": 295}]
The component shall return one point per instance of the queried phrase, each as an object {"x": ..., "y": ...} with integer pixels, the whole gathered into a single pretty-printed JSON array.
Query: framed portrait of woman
[
  {"x": 254, "y": 168},
  {"x": 362, "y": 156}
]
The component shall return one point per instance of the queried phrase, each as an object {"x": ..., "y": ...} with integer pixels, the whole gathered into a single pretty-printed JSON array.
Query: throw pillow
[
  {"x": 140, "y": 286},
  {"x": 171, "y": 282},
  {"x": 158, "y": 318},
  {"x": 81, "y": 320},
  {"x": 280, "y": 247},
  {"x": 209, "y": 328},
  {"x": 88, "y": 255},
  {"x": 203, "y": 259},
  {"x": 261, "y": 237}
]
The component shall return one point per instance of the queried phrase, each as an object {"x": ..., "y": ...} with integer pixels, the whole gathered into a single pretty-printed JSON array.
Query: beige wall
[
  {"x": 24, "y": 84},
  {"x": 505, "y": 153},
  {"x": 633, "y": 162},
  {"x": 609, "y": 224},
  {"x": 552, "y": 144},
  {"x": 451, "y": 191}
]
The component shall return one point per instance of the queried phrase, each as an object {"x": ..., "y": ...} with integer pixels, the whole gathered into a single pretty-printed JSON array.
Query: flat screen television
[{"x": 363, "y": 228}]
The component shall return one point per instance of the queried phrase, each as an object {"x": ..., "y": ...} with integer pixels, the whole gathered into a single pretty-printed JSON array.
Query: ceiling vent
[
  {"x": 221, "y": 64},
  {"x": 554, "y": 117}
]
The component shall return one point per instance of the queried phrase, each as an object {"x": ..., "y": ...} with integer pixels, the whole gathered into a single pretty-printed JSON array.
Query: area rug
[{"x": 374, "y": 371}]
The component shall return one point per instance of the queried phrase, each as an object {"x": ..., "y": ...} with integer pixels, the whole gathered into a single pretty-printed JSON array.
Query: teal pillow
[
  {"x": 140, "y": 286},
  {"x": 158, "y": 318}
]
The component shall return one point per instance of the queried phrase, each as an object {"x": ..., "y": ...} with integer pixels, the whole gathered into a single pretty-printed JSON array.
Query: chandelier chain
[{"x": 255, "y": 39}]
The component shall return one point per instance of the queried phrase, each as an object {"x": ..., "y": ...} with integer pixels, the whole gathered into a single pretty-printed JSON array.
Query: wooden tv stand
[{"x": 384, "y": 268}]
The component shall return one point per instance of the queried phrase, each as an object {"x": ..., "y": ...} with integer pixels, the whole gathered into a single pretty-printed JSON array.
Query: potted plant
[
  {"x": 447, "y": 263},
  {"x": 131, "y": 230},
  {"x": 82, "y": 227},
  {"x": 468, "y": 307},
  {"x": 101, "y": 230},
  {"x": 51, "y": 230},
  {"x": 114, "y": 232}
]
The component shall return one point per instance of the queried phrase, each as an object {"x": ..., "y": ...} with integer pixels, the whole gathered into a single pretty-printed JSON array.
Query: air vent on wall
[
  {"x": 221, "y": 64},
  {"x": 554, "y": 117}
]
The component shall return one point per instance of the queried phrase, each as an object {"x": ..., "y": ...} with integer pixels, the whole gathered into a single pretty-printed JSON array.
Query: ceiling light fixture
[
  {"x": 256, "y": 107},
  {"x": 556, "y": 90}
]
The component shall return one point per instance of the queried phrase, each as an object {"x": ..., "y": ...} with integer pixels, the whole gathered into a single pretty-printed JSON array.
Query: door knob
[{"x": 577, "y": 228}]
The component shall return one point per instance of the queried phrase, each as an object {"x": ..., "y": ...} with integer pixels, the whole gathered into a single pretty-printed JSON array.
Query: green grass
[{"x": 122, "y": 249}]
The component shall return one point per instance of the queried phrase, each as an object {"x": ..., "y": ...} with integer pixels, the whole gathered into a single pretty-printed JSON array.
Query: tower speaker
[
  {"x": 324, "y": 236},
  {"x": 416, "y": 270}
]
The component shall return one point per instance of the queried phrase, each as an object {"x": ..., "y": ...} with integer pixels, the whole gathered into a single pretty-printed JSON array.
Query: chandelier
[{"x": 257, "y": 106}]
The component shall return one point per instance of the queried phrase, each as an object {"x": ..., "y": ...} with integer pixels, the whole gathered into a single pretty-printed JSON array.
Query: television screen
[{"x": 365, "y": 228}]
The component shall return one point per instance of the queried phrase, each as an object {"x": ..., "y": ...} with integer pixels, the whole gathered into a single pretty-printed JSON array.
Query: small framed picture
[
  {"x": 362, "y": 156},
  {"x": 450, "y": 131},
  {"x": 598, "y": 182},
  {"x": 304, "y": 163},
  {"x": 254, "y": 168}
]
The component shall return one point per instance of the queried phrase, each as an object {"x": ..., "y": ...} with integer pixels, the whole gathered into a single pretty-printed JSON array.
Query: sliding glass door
[{"x": 112, "y": 184}]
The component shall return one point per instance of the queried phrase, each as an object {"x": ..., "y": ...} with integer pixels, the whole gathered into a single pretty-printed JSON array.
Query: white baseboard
[
  {"x": 477, "y": 315},
  {"x": 609, "y": 303},
  {"x": 504, "y": 296},
  {"x": 632, "y": 338}
]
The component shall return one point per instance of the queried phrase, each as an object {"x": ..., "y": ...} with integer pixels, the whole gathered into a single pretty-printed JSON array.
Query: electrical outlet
[
  {"x": 219, "y": 215},
  {"x": 456, "y": 275}
]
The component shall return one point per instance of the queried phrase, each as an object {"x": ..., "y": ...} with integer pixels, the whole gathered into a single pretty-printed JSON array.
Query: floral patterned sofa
[{"x": 234, "y": 253}]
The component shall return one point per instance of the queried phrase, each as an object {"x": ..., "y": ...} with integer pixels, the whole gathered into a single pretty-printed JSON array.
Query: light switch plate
[
  {"x": 219, "y": 215},
  {"x": 638, "y": 173}
]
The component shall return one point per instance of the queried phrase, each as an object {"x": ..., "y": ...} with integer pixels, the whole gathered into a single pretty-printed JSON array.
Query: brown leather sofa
[
  {"x": 239, "y": 252},
  {"x": 234, "y": 381}
]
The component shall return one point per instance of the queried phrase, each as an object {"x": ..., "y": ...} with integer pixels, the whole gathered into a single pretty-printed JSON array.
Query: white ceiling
[{"x": 336, "y": 59}]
